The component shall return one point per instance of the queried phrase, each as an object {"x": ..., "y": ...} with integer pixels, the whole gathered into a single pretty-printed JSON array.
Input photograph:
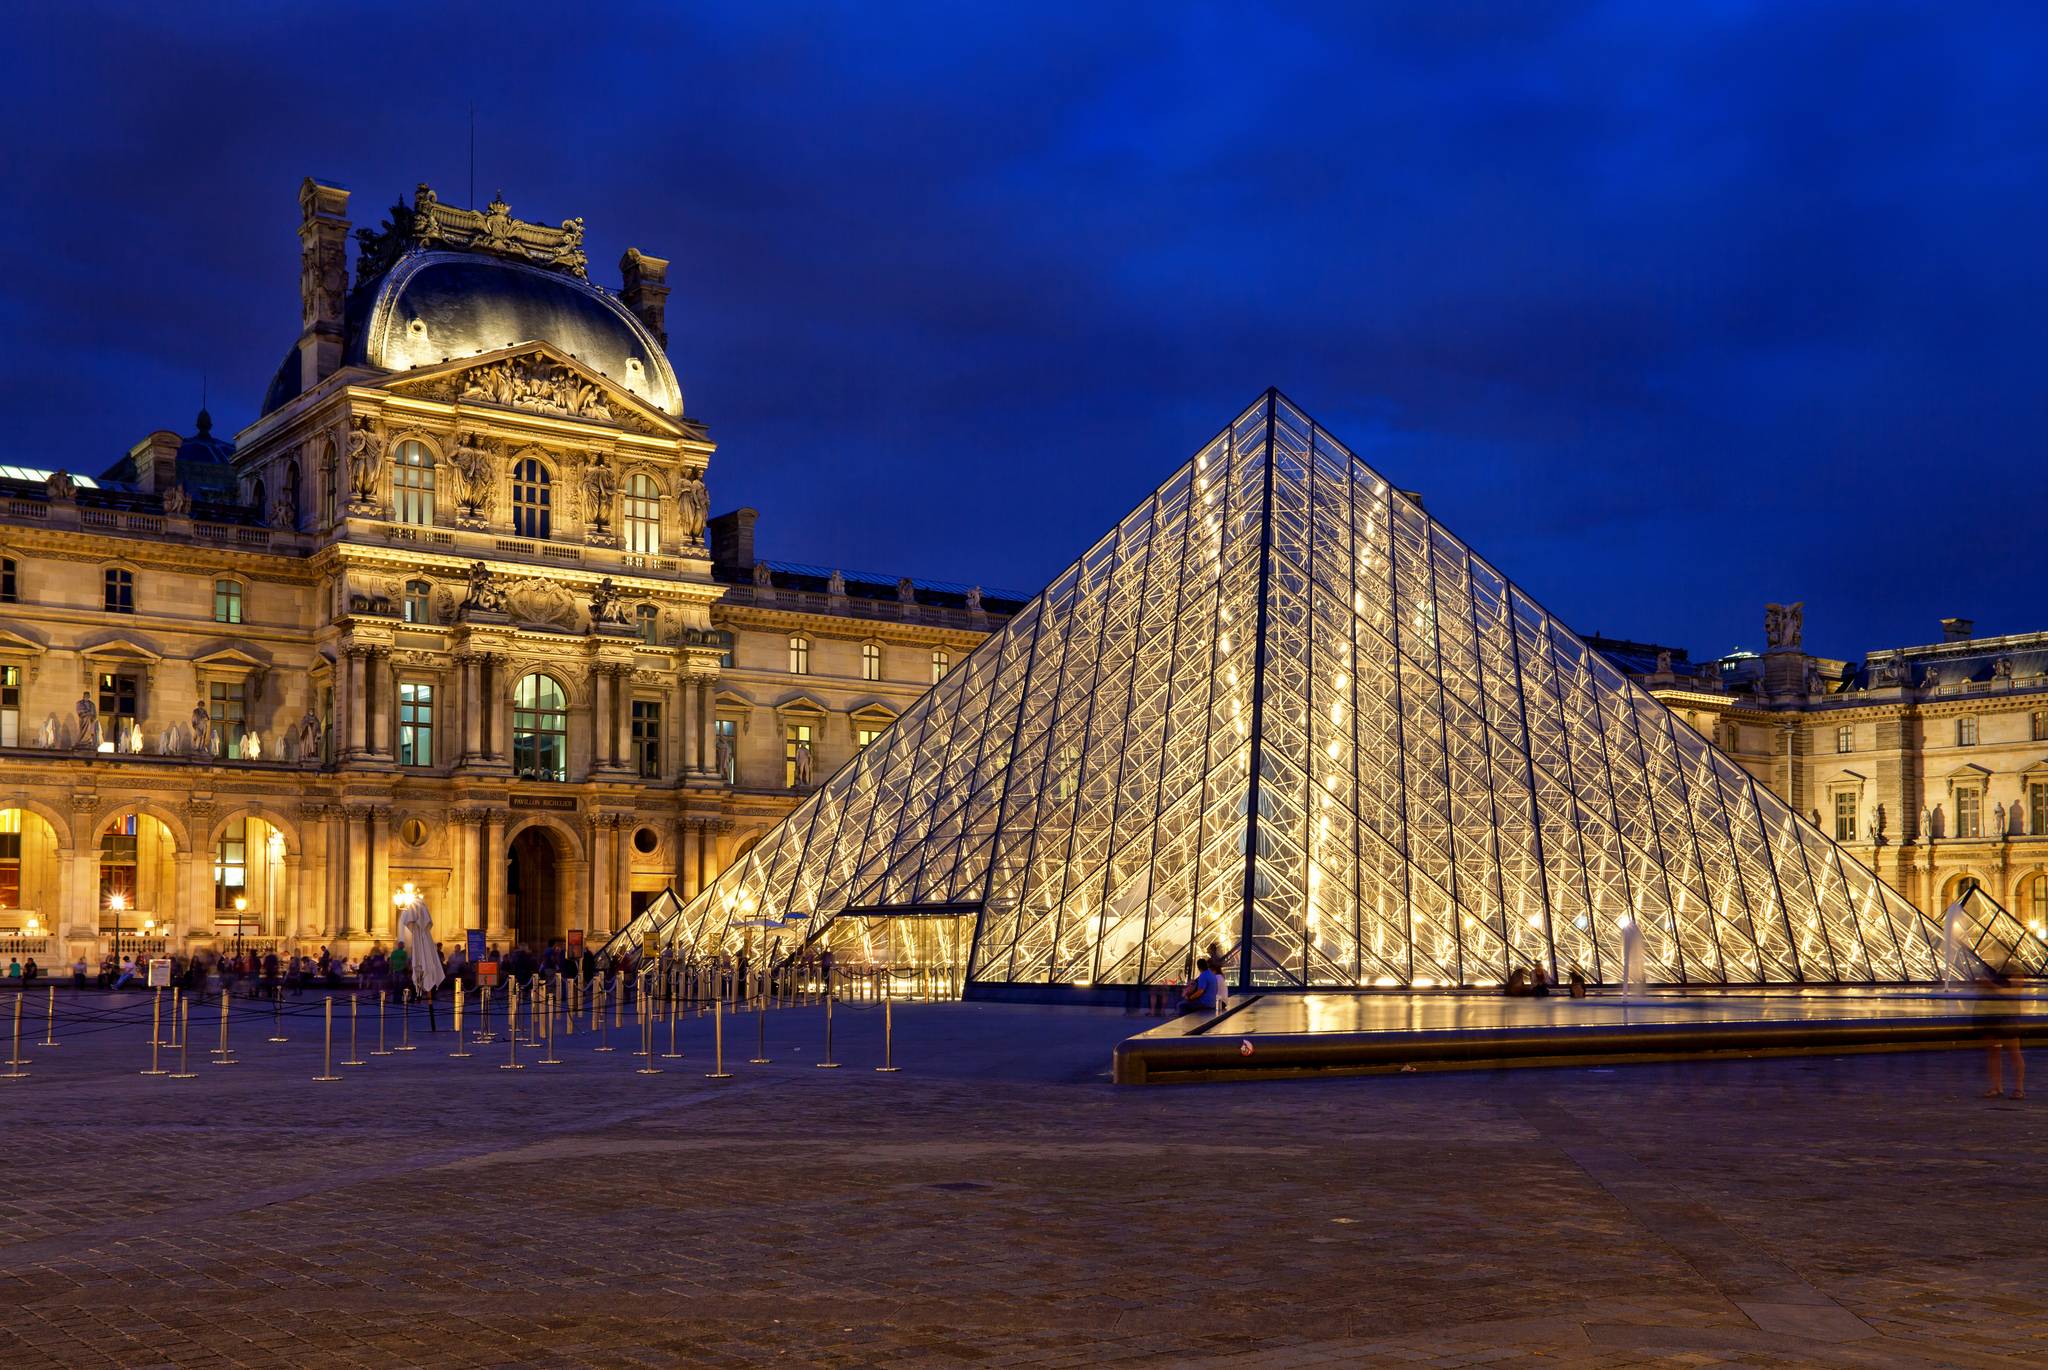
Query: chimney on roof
[
  {"x": 645, "y": 282},
  {"x": 153, "y": 463},
  {"x": 732, "y": 538},
  {"x": 323, "y": 279},
  {"x": 1958, "y": 629}
]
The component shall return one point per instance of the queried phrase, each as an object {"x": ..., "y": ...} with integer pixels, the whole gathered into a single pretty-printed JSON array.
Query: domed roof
[{"x": 434, "y": 306}]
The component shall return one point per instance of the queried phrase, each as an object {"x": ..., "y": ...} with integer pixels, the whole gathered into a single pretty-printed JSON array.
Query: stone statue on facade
[
  {"x": 2001, "y": 669},
  {"x": 484, "y": 595},
  {"x": 59, "y": 486},
  {"x": 803, "y": 765},
  {"x": 202, "y": 730},
  {"x": 88, "y": 724},
  {"x": 177, "y": 500},
  {"x": 309, "y": 738},
  {"x": 1998, "y": 820},
  {"x": 600, "y": 483},
  {"x": 725, "y": 757},
  {"x": 906, "y": 593},
  {"x": 1877, "y": 823},
  {"x": 763, "y": 577},
  {"x": 46, "y": 736},
  {"x": 607, "y": 605},
  {"x": 475, "y": 479},
  {"x": 362, "y": 462},
  {"x": 1664, "y": 663},
  {"x": 693, "y": 502},
  {"x": 282, "y": 515},
  {"x": 134, "y": 738},
  {"x": 1784, "y": 625},
  {"x": 835, "y": 584},
  {"x": 974, "y": 600},
  {"x": 1930, "y": 678}
]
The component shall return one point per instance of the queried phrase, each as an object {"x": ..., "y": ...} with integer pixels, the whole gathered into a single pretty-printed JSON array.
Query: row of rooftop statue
[{"x": 89, "y": 733}]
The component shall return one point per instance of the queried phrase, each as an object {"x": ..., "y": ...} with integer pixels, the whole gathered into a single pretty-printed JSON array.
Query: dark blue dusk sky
[{"x": 1668, "y": 308}]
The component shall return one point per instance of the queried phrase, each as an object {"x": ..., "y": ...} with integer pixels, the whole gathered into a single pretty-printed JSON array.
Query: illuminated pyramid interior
[{"x": 1281, "y": 709}]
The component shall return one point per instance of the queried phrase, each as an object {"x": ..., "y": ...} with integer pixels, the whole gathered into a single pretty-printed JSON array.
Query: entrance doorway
[{"x": 533, "y": 888}]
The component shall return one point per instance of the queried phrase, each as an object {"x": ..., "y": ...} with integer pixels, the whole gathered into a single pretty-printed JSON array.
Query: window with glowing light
[
  {"x": 870, "y": 661},
  {"x": 1966, "y": 732},
  {"x": 416, "y": 592},
  {"x": 10, "y": 706},
  {"x": 793, "y": 734},
  {"x": 942, "y": 662},
  {"x": 1845, "y": 817},
  {"x": 643, "y": 514},
  {"x": 227, "y": 601},
  {"x": 412, "y": 483},
  {"x": 10, "y": 858},
  {"x": 540, "y": 729},
  {"x": 1969, "y": 811},
  {"x": 227, "y": 703},
  {"x": 415, "y": 724},
  {"x": 119, "y": 855},
  {"x": 647, "y": 622},
  {"x": 1845, "y": 738},
  {"x": 231, "y": 865},
  {"x": 799, "y": 656},
  {"x": 120, "y": 695}
]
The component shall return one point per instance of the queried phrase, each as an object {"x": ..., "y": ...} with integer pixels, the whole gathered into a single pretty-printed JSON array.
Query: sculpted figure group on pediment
[{"x": 537, "y": 384}]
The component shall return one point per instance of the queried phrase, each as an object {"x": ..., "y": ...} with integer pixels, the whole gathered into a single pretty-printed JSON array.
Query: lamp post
[
  {"x": 275, "y": 849},
  {"x": 116, "y": 902},
  {"x": 241, "y": 909}
]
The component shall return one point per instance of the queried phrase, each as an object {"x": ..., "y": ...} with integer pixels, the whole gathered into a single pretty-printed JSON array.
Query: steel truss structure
[{"x": 1281, "y": 710}]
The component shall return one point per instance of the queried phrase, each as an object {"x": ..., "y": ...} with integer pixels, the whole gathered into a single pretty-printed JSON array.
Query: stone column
[
  {"x": 380, "y": 703},
  {"x": 685, "y": 832},
  {"x": 598, "y": 898},
  {"x": 461, "y": 873},
  {"x": 358, "y": 714},
  {"x": 601, "y": 724},
  {"x": 622, "y": 737},
  {"x": 356, "y": 822},
  {"x": 622, "y": 874},
  {"x": 78, "y": 886},
  {"x": 472, "y": 710},
  {"x": 493, "y": 920},
  {"x": 381, "y": 912},
  {"x": 496, "y": 741},
  {"x": 707, "y": 754}
]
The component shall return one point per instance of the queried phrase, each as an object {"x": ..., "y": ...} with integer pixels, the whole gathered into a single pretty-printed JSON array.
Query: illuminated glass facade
[{"x": 1281, "y": 709}]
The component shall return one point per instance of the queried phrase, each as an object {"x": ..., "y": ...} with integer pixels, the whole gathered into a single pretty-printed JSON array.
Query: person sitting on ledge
[
  {"x": 1517, "y": 986},
  {"x": 1578, "y": 983},
  {"x": 1204, "y": 991},
  {"x": 1539, "y": 982}
]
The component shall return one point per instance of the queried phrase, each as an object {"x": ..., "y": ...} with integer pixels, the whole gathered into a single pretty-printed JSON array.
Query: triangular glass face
[{"x": 1282, "y": 713}]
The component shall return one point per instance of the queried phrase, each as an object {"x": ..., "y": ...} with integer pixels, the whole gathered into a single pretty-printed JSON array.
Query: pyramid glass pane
[{"x": 1280, "y": 714}]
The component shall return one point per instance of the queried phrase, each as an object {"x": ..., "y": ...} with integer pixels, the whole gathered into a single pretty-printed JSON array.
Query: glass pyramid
[{"x": 1282, "y": 710}]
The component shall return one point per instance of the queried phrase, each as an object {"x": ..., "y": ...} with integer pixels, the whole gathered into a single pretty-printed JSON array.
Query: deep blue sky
[{"x": 1669, "y": 308}]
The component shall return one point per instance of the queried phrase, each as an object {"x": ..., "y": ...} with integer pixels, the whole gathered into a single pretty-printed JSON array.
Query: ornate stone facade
[{"x": 463, "y": 631}]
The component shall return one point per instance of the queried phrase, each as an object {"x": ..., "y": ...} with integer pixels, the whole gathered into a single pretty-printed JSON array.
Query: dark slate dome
[{"x": 443, "y": 306}]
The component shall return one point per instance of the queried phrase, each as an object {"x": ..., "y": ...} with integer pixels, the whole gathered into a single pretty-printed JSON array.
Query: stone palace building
[
  {"x": 453, "y": 613},
  {"x": 450, "y": 613}
]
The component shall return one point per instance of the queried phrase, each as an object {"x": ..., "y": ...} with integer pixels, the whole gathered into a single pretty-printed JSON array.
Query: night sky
[{"x": 1669, "y": 309}]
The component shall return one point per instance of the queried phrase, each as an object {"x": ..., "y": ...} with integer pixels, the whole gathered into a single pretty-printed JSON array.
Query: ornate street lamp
[
  {"x": 117, "y": 901},
  {"x": 275, "y": 847},
  {"x": 241, "y": 909}
]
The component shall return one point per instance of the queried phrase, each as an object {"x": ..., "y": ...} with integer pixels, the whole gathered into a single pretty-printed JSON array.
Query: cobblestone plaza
[{"x": 999, "y": 1203}]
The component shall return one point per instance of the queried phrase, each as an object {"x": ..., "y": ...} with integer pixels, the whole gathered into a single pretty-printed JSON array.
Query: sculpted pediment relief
[
  {"x": 537, "y": 603},
  {"x": 535, "y": 379}
]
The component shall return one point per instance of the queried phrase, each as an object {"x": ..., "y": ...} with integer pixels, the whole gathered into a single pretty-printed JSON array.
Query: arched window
[
  {"x": 941, "y": 663},
  {"x": 412, "y": 483},
  {"x": 256, "y": 500},
  {"x": 227, "y": 601},
  {"x": 416, "y": 592},
  {"x": 799, "y": 656},
  {"x": 870, "y": 661},
  {"x": 530, "y": 499},
  {"x": 643, "y": 514},
  {"x": 540, "y": 729},
  {"x": 646, "y": 619}
]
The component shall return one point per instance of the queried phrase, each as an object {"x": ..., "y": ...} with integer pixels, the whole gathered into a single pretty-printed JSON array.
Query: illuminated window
[
  {"x": 799, "y": 656},
  {"x": 2040, "y": 724},
  {"x": 1966, "y": 732},
  {"x": 2037, "y": 902},
  {"x": 1845, "y": 738},
  {"x": 1969, "y": 812},
  {"x": 412, "y": 482},
  {"x": 2037, "y": 808},
  {"x": 416, "y": 592},
  {"x": 728, "y": 733},
  {"x": 10, "y": 858},
  {"x": 10, "y": 706},
  {"x": 227, "y": 601},
  {"x": 231, "y": 865},
  {"x": 1845, "y": 817},
  {"x": 540, "y": 729},
  {"x": 530, "y": 499},
  {"x": 415, "y": 724},
  {"x": 870, "y": 661},
  {"x": 941, "y": 663},
  {"x": 118, "y": 697},
  {"x": 119, "y": 856},
  {"x": 643, "y": 514},
  {"x": 793, "y": 734},
  {"x": 120, "y": 590},
  {"x": 647, "y": 738},
  {"x": 647, "y": 621},
  {"x": 225, "y": 701},
  {"x": 10, "y": 585},
  {"x": 863, "y": 736}
]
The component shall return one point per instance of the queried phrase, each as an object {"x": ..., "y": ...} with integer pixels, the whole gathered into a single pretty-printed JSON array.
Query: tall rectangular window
[
  {"x": 799, "y": 656},
  {"x": 2037, "y": 808},
  {"x": 225, "y": 702},
  {"x": 227, "y": 601},
  {"x": 2041, "y": 725},
  {"x": 941, "y": 663},
  {"x": 120, "y": 590},
  {"x": 416, "y": 592},
  {"x": 726, "y": 740},
  {"x": 643, "y": 515},
  {"x": 647, "y": 737},
  {"x": 794, "y": 735},
  {"x": 1969, "y": 812},
  {"x": 863, "y": 736},
  {"x": 10, "y": 858},
  {"x": 1845, "y": 817},
  {"x": 870, "y": 661},
  {"x": 415, "y": 724},
  {"x": 647, "y": 622},
  {"x": 10, "y": 706},
  {"x": 1845, "y": 738},
  {"x": 119, "y": 856},
  {"x": 231, "y": 865},
  {"x": 10, "y": 588},
  {"x": 119, "y": 698},
  {"x": 412, "y": 483},
  {"x": 1966, "y": 732},
  {"x": 532, "y": 514}
]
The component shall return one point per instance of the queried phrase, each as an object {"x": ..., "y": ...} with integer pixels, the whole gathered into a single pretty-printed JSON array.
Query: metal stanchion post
[
  {"x": 646, "y": 1035},
  {"x": 183, "y": 1032},
  {"x": 548, "y": 1030},
  {"x": 405, "y": 1022},
  {"x": 597, "y": 1018},
  {"x": 380, "y": 1051},
  {"x": 718, "y": 1070},
  {"x": 459, "y": 1050},
  {"x": 355, "y": 1003},
  {"x": 618, "y": 998},
  {"x": 226, "y": 1055},
  {"x": 888, "y": 1066},
  {"x": 483, "y": 1034},
  {"x": 14, "y": 1070},
  {"x": 50, "y": 1021},
  {"x": 327, "y": 1075},
  {"x": 672, "y": 1054},
  {"x": 512, "y": 1027},
  {"x": 277, "y": 1015},
  {"x": 640, "y": 1022},
  {"x": 828, "y": 1063},
  {"x": 177, "y": 1018},
  {"x": 156, "y": 1030},
  {"x": 760, "y": 1057}
]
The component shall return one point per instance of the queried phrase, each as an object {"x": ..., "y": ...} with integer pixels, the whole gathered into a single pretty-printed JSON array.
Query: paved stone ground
[{"x": 998, "y": 1204}]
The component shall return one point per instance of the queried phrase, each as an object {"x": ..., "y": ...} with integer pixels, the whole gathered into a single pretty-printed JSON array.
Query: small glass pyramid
[{"x": 1281, "y": 710}]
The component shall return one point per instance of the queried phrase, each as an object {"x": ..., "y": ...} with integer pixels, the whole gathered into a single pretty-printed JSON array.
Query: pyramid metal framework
[{"x": 1281, "y": 709}]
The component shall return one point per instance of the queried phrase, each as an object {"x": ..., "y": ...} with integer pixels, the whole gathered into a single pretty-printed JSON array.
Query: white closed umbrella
[{"x": 416, "y": 930}]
